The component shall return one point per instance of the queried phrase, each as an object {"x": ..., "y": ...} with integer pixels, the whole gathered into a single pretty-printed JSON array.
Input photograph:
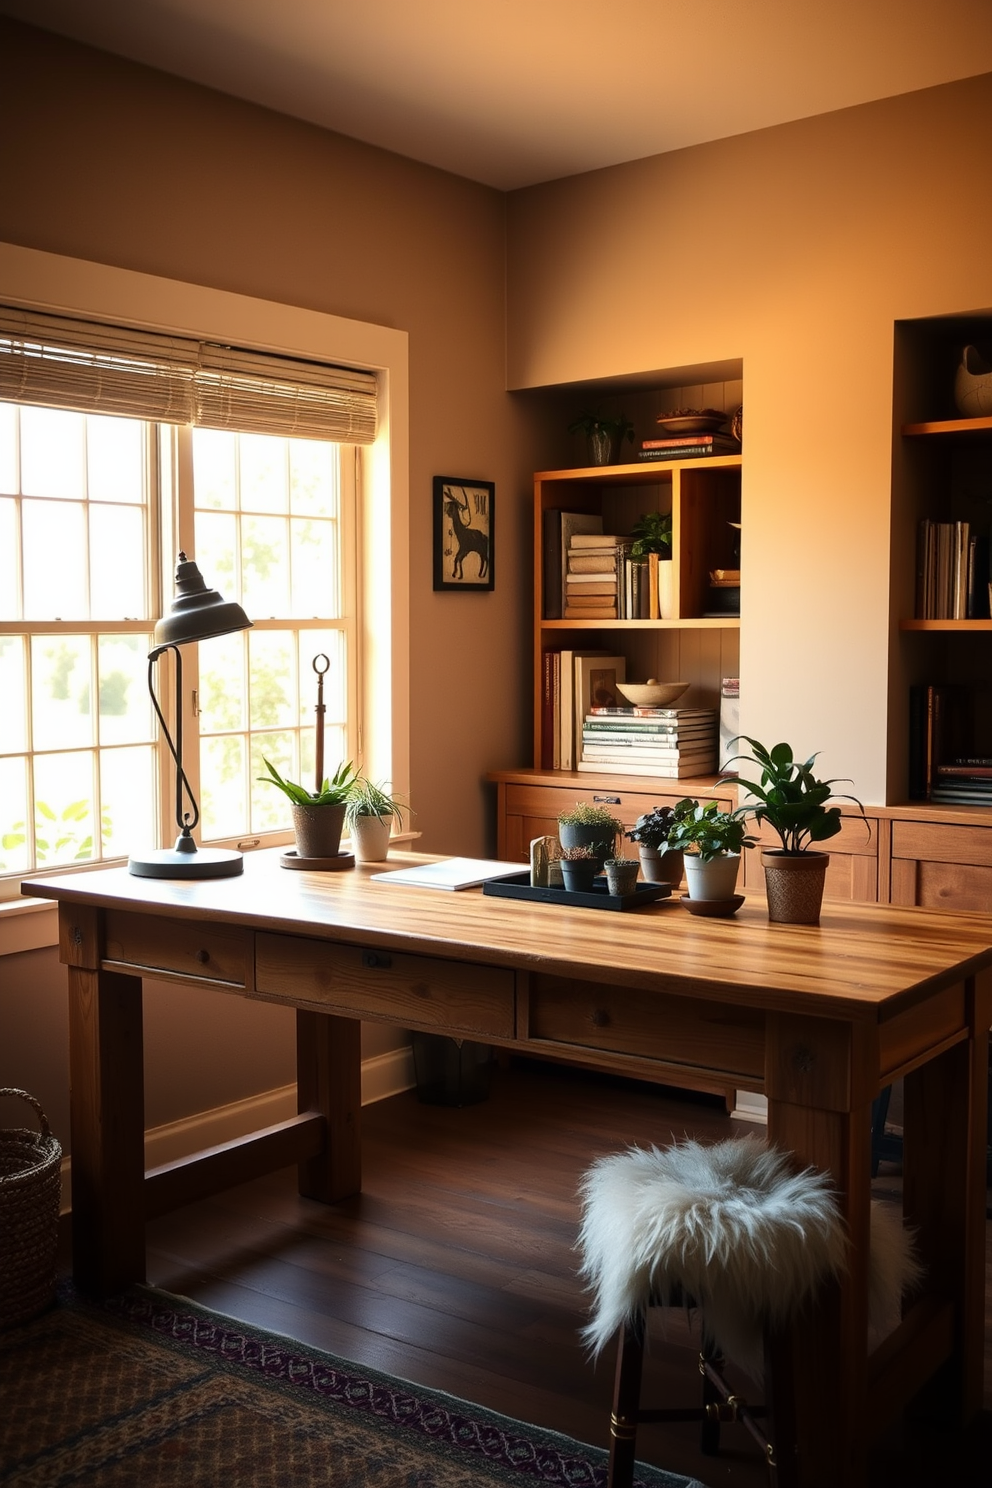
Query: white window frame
[{"x": 60, "y": 285}]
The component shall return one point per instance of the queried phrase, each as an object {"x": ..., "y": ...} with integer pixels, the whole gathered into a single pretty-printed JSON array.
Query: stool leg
[
  {"x": 780, "y": 1402},
  {"x": 626, "y": 1401},
  {"x": 709, "y": 1435}
]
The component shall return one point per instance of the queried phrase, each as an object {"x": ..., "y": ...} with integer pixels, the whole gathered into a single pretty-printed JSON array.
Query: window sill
[{"x": 28, "y": 925}]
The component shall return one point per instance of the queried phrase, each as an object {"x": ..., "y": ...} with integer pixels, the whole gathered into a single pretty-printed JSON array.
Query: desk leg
[
  {"x": 944, "y": 1196},
  {"x": 818, "y": 1081},
  {"x": 108, "y": 1129},
  {"x": 329, "y": 1080}
]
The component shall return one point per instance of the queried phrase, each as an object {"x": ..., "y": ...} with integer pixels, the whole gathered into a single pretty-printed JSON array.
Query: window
[{"x": 88, "y": 506}]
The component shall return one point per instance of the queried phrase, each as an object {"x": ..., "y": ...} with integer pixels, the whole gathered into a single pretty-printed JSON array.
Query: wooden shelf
[
  {"x": 709, "y": 622},
  {"x": 949, "y": 426},
  {"x": 959, "y": 625}
]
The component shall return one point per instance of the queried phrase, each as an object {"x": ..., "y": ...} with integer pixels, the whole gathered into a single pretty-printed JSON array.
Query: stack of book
[
  {"x": 688, "y": 447},
  {"x": 965, "y": 782},
  {"x": 952, "y": 572},
  {"x": 667, "y": 742},
  {"x": 594, "y": 576}
]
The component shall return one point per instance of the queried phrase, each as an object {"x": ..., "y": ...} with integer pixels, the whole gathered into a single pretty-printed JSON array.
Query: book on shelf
[
  {"x": 638, "y": 767},
  {"x": 591, "y": 612},
  {"x": 941, "y": 731},
  {"x": 977, "y": 769},
  {"x": 594, "y": 537},
  {"x": 645, "y": 710},
  {"x": 686, "y": 742},
  {"x": 595, "y": 686},
  {"x": 597, "y": 726},
  {"x": 591, "y": 562},
  {"x": 960, "y": 795},
  {"x": 582, "y": 585},
  {"x": 703, "y": 759},
  {"x": 569, "y": 737},
  {"x": 725, "y": 442},
  {"x": 686, "y": 452},
  {"x": 559, "y": 527},
  {"x": 952, "y": 572}
]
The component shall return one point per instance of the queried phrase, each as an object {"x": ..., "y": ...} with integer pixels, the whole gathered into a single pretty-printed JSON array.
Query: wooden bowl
[{"x": 652, "y": 694}]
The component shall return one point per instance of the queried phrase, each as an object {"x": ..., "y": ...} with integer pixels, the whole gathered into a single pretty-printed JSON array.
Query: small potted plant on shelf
[
  {"x": 791, "y": 799},
  {"x": 660, "y": 863},
  {"x": 318, "y": 816},
  {"x": 605, "y": 433},
  {"x": 712, "y": 840},
  {"x": 583, "y": 825},
  {"x": 579, "y": 866},
  {"x": 369, "y": 813}
]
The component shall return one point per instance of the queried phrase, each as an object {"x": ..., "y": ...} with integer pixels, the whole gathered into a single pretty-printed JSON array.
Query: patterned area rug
[{"x": 151, "y": 1390}]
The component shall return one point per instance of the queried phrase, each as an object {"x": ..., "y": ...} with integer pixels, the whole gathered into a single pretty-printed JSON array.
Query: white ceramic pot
[
  {"x": 715, "y": 879},
  {"x": 370, "y": 838},
  {"x": 973, "y": 385}
]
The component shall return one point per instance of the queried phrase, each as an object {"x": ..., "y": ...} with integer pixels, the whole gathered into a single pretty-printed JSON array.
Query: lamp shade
[{"x": 197, "y": 613}]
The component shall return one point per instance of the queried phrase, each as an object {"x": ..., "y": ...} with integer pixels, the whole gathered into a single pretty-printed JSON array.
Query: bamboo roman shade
[{"x": 64, "y": 363}]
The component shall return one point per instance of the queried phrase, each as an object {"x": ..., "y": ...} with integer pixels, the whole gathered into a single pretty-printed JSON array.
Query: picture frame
[{"x": 464, "y": 529}]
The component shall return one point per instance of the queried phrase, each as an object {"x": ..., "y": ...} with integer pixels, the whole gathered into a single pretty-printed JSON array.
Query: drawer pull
[
  {"x": 600, "y": 1018},
  {"x": 607, "y": 800},
  {"x": 376, "y": 958},
  {"x": 203, "y": 957}
]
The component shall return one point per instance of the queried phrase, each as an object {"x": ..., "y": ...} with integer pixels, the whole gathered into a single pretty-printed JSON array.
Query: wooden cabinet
[
  {"x": 703, "y": 497},
  {"x": 942, "y": 864},
  {"x": 853, "y": 871}
]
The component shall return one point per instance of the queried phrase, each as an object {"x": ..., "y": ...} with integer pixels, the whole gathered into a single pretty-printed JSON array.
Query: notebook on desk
[{"x": 450, "y": 873}]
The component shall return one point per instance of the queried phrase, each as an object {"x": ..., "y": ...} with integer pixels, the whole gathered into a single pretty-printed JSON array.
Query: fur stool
[{"x": 733, "y": 1231}]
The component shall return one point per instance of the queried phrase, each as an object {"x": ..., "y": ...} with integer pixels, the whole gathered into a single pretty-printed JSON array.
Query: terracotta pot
[
  {"x": 318, "y": 830},
  {"x": 660, "y": 867},
  {"x": 714, "y": 880},
  {"x": 794, "y": 885},
  {"x": 370, "y": 838}
]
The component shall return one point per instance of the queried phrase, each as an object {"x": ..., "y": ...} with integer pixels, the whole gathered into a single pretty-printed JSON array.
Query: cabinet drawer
[
  {"x": 627, "y": 806},
  {"x": 619, "y": 1020},
  {"x": 421, "y": 992},
  {"x": 939, "y": 842},
  {"x": 204, "y": 952}
]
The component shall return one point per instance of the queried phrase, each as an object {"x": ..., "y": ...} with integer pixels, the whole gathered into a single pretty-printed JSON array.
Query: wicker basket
[{"x": 30, "y": 1192}]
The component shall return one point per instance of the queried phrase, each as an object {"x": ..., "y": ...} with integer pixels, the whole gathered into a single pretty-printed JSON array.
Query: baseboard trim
[
  {"x": 382, "y": 1075},
  {"x": 750, "y": 1106}
]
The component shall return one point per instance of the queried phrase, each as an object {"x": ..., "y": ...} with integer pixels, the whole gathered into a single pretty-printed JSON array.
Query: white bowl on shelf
[{"x": 652, "y": 693}]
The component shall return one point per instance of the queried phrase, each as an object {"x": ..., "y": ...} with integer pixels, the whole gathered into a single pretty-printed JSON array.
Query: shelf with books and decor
[{"x": 941, "y": 840}]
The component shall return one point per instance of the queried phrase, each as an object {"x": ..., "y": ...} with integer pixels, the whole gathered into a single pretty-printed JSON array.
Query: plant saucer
[
  {"x": 717, "y": 909},
  {"x": 292, "y": 859}
]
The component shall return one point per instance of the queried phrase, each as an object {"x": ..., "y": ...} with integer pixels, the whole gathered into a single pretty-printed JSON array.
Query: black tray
[{"x": 598, "y": 897}]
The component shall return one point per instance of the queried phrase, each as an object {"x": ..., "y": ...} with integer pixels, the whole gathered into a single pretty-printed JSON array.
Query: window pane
[
  {"x": 272, "y": 681},
  {"x": 8, "y": 558},
  {"x": 54, "y": 561},
  {"x": 263, "y": 473},
  {"x": 52, "y": 453},
  {"x": 264, "y": 567},
  {"x": 13, "y": 816},
  {"x": 60, "y": 669},
  {"x": 13, "y": 713},
  {"x": 63, "y": 807},
  {"x": 313, "y": 478},
  {"x": 129, "y": 803},
  {"x": 223, "y": 793},
  {"x": 216, "y": 548},
  {"x": 125, "y": 707},
  {"x": 8, "y": 448},
  {"x": 222, "y": 684},
  {"x": 269, "y": 806},
  {"x": 115, "y": 449},
  {"x": 117, "y": 563},
  {"x": 316, "y": 586},
  {"x": 213, "y": 468}
]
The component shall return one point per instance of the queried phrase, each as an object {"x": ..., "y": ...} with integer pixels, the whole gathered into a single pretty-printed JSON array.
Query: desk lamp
[{"x": 197, "y": 614}]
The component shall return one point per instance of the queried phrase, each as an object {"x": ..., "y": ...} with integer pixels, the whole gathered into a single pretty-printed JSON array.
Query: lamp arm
[{"x": 176, "y": 750}]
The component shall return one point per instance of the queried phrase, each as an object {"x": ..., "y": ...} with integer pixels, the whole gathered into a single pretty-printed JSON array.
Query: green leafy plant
[
  {"x": 652, "y": 533},
  {"x": 790, "y": 798},
  {"x": 584, "y": 815},
  {"x": 366, "y": 798},
  {"x": 651, "y": 830},
  {"x": 60, "y": 833},
  {"x": 333, "y": 792},
  {"x": 707, "y": 831},
  {"x": 617, "y": 426}
]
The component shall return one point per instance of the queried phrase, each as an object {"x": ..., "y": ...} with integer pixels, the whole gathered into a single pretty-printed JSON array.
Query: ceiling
[{"x": 512, "y": 92}]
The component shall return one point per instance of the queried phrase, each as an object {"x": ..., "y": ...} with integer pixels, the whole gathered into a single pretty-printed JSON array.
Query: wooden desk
[{"x": 819, "y": 1018}]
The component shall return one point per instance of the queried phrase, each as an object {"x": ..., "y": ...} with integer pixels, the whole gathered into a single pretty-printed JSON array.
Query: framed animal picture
[{"x": 463, "y": 533}]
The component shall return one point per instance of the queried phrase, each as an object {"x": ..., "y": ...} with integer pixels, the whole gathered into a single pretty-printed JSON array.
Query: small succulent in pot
[
  {"x": 579, "y": 866},
  {"x": 318, "y": 815},
  {"x": 333, "y": 792},
  {"x": 589, "y": 826}
]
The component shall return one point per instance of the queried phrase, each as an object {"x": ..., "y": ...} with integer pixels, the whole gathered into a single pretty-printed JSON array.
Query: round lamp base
[{"x": 206, "y": 862}]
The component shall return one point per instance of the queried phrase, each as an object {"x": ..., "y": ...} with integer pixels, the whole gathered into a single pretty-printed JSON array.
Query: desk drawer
[
  {"x": 210, "y": 953},
  {"x": 421, "y": 992},
  {"x": 710, "y": 1036}
]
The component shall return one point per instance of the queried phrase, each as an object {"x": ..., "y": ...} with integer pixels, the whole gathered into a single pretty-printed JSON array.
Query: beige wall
[{"x": 795, "y": 248}]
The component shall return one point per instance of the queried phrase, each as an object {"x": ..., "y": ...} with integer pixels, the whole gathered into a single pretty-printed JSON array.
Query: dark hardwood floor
[{"x": 455, "y": 1267}]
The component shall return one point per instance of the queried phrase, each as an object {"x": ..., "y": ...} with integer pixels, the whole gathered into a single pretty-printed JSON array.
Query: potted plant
[
  {"x": 621, "y": 875},
  {"x": 652, "y": 534},
  {"x": 791, "y": 799},
  {"x": 660, "y": 863},
  {"x": 369, "y": 813},
  {"x": 579, "y": 866},
  {"x": 605, "y": 432},
  {"x": 583, "y": 825},
  {"x": 318, "y": 816},
  {"x": 712, "y": 841}
]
